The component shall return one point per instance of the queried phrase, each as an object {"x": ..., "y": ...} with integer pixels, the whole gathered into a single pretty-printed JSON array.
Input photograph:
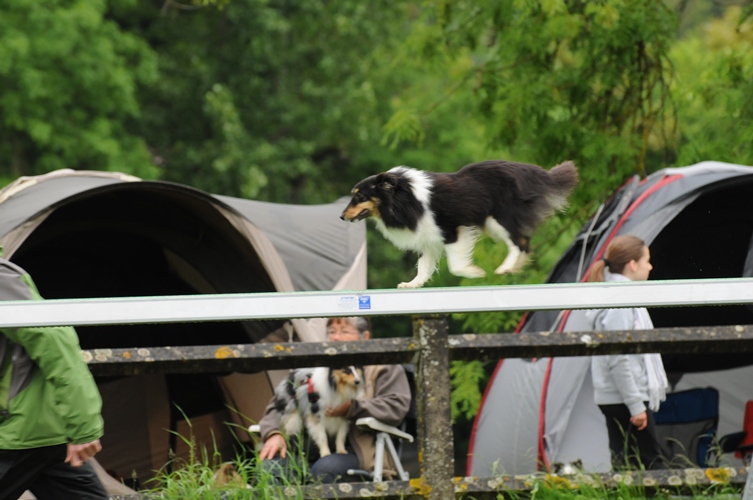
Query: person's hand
[
  {"x": 274, "y": 444},
  {"x": 339, "y": 411},
  {"x": 640, "y": 420},
  {"x": 79, "y": 453}
]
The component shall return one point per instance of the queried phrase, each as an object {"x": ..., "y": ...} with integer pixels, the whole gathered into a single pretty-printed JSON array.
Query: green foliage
[
  {"x": 559, "y": 80},
  {"x": 231, "y": 145},
  {"x": 715, "y": 90},
  {"x": 69, "y": 80},
  {"x": 467, "y": 378},
  {"x": 260, "y": 103}
]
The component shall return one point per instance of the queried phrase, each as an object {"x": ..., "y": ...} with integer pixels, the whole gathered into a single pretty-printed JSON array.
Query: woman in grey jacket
[
  {"x": 628, "y": 388},
  {"x": 387, "y": 397}
]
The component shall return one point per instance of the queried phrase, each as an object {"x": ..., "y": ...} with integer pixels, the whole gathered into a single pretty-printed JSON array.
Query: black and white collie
[
  {"x": 303, "y": 399},
  {"x": 432, "y": 213}
]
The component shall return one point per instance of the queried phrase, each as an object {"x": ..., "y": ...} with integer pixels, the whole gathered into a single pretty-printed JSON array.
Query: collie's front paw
[
  {"x": 343, "y": 451},
  {"x": 411, "y": 284}
]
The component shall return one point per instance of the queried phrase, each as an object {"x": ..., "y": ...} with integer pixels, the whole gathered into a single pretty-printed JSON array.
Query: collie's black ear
[{"x": 387, "y": 181}]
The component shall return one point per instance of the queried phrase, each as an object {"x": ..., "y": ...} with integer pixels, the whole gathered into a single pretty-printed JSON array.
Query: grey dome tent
[
  {"x": 86, "y": 234},
  {"x": 698, "y": 223}
]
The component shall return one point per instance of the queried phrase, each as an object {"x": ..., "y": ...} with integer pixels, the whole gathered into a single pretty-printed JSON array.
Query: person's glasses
[{"x": 342, "y": 333}]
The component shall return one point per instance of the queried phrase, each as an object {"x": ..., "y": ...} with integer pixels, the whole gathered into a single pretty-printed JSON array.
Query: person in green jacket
[{"x": 50, "y": 408}]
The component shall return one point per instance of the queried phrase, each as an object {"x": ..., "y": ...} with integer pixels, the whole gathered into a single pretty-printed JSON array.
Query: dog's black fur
[{"x": 432, "y": 212}]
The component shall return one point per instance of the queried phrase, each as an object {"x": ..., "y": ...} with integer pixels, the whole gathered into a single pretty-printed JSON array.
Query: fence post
[{"x": 435, "y": 440}]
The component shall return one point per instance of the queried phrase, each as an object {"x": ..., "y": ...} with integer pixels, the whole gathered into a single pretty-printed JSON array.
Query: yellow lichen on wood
[
  {"x": 558, "y": 482},
  {"x": 420, "y": 485},
  {"x": 224, "y": 352},
  {"x": 718, "y": 476}
]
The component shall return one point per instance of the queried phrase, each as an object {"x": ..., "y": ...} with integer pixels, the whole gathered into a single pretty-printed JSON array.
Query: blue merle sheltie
[
  {"x": 304, "y": 396},
  {"x": 433, "y": 213}
]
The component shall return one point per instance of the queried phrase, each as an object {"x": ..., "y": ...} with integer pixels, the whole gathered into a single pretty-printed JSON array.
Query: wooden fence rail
[
  {"x": 262, "y": 357},
  {"x": 430, "y": 349}
]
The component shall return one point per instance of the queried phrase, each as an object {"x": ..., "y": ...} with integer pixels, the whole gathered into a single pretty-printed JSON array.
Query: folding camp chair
[
  {"x": 686, "y": 425},
  {"x": 385, "y": 435}
]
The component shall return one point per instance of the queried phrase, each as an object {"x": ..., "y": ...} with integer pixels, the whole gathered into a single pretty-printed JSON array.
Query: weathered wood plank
[
  {"x": 247, "y": 357},
  {"x": 683, "y": 481},
  {"x": 260, "y": 357},
  {"x": 715, "y": 339}
]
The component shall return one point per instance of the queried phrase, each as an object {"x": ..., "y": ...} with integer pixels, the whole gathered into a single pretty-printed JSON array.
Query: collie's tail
[{"x": 563, "y": 179}]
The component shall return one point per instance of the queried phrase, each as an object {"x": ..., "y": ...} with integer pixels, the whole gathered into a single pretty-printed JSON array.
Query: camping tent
[
  {"x": 698, "y": 223},
  {"x": 101, "y": 234}
]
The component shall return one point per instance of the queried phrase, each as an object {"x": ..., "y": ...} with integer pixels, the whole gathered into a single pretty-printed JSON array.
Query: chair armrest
[{"x": 376, "y": 425}]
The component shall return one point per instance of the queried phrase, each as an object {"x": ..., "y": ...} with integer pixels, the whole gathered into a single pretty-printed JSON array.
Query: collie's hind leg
[
  {"x": 514, "y": 261},
  {"x": 516, "y": 258},
  {"x": 427, "y": 264},
  {"x": 460, "y": 254}
]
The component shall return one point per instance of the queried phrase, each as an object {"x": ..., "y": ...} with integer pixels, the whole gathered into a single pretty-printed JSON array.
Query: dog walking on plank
[{"x": 434, "y": 213}]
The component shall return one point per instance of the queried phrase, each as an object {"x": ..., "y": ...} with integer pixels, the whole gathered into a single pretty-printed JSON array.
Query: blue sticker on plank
[{"x": 364, "y": 302}]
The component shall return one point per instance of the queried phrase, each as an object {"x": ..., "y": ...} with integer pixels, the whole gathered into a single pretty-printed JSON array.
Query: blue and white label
[
  {"x": 353, "y": 302},
  {"x": 364, "y": 302},
  {"x": 347, "y": 303}
]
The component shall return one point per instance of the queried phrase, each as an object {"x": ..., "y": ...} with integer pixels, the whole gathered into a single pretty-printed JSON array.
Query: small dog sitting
[
  {"x": 305, "y": 396},
  {"x": 433, "y": 213},
  {"x": 574, "y": 467}
]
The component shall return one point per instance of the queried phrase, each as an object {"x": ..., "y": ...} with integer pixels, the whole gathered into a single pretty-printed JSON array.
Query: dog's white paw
[
  {"x": 504, "y": 269},
  {"x": 509, "y": 269},
  {"x": 410, "y": 284},
  {"x": 469, "y": 272},
  {"x": 512, "y": 266}
]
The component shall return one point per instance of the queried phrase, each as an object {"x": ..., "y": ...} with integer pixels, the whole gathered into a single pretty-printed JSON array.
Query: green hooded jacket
[{"x": 47, "y": 394}]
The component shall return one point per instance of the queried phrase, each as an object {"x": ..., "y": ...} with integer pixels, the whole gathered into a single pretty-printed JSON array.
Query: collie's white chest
[
  {"x": 426, "y": 234},
  {"x": 332, "y": 425}
]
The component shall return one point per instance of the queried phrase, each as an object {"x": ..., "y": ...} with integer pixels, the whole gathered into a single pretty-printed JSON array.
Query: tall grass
[{"x": 204, "y": 476}]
